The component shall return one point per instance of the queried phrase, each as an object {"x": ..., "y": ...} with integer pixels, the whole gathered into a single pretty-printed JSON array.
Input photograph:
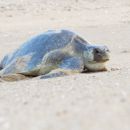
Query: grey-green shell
[{"x": 30, "y": 54}]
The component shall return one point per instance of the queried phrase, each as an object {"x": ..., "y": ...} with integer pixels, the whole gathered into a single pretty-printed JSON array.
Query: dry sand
[{"x": 93, "y": 101}]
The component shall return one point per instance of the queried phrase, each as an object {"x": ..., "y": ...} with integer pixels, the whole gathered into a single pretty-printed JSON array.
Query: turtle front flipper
[
  {"x": 67, "y": 66},
  {"x": 53, "y": 74}
]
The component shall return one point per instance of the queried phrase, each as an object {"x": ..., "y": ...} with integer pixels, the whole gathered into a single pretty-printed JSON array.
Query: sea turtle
[{"x": 51, "y": 54}]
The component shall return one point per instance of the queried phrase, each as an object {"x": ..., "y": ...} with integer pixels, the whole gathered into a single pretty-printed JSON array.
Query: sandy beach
[{"x": 91, "y": 101}]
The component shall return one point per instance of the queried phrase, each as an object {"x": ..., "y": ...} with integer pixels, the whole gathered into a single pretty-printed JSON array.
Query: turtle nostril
[{"x": 108, "y": 50}]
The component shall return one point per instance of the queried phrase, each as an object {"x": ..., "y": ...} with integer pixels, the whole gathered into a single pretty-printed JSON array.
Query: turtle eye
[{"x": 96, "y": 51}]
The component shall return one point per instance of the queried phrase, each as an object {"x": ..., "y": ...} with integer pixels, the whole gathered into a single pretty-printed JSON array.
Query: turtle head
[{"x": 95, "y": 57}]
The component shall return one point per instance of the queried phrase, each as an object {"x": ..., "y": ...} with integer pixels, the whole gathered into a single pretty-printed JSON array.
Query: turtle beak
[
  {"x": 106, "y": 55},
  {"x": 101, "y": 55}
]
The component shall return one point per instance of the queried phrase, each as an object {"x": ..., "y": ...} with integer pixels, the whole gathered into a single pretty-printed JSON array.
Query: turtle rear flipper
[
  {"x": 4, "y": 61},
  {"x": 1, "y": 67},
  {"x": 68, "y": 66},
  {"x": 13, "y": 77}
]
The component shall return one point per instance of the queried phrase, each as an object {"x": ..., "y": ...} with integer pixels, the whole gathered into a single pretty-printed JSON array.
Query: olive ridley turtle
[{"x": 52, "y": 54}]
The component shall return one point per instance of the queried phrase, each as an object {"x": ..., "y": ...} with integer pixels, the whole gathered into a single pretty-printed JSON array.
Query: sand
[{"x": 93, "y": 101}]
